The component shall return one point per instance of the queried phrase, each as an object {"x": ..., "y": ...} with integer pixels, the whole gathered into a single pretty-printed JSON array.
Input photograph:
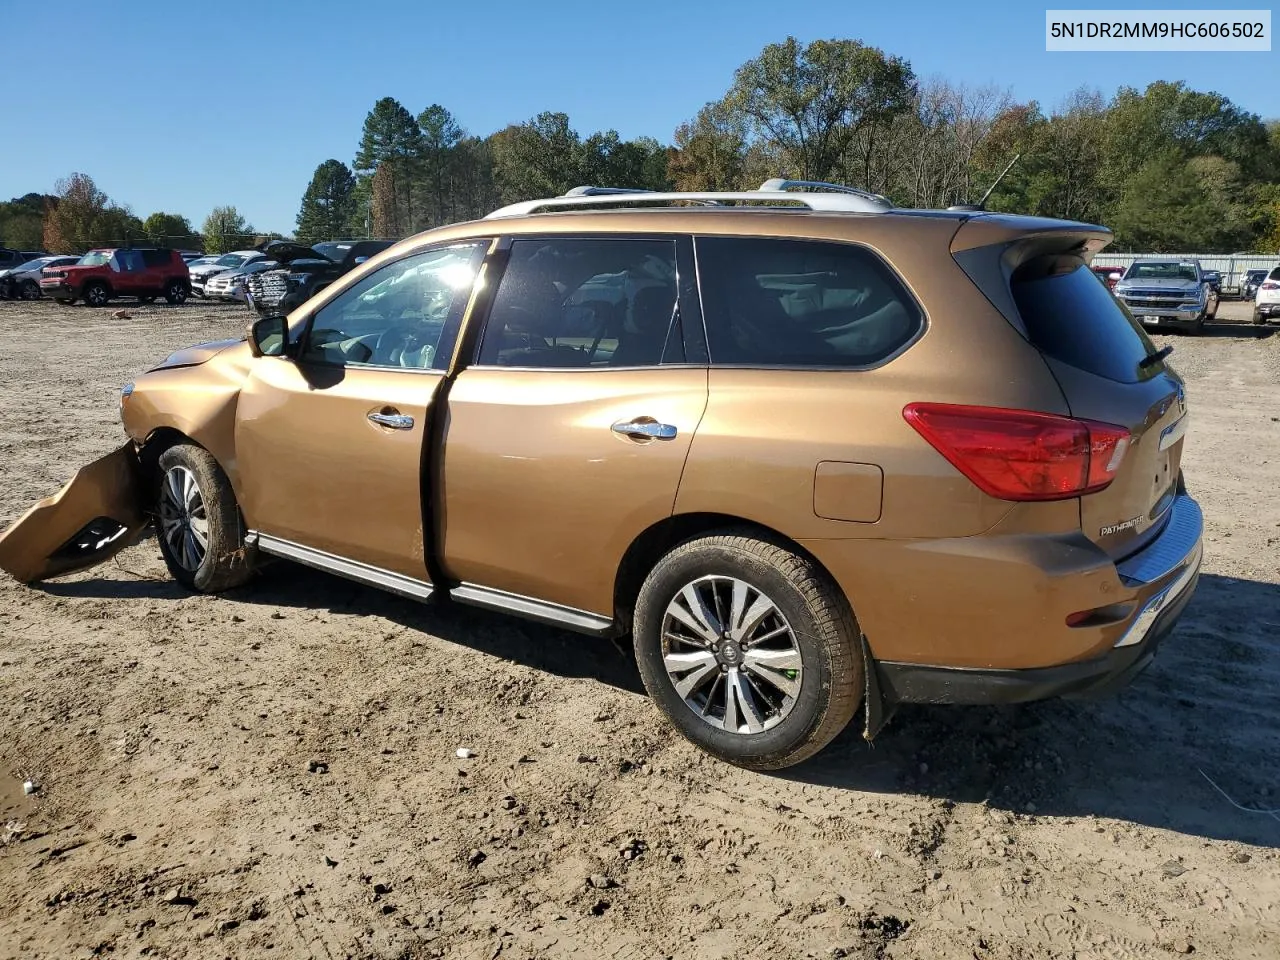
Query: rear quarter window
[
  {"x": 1073, "y": 318},
  {"x": 801, "y": 303}
]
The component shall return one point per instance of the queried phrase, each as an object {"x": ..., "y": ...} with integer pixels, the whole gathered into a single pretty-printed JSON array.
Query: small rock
[
  {"x": 1183, "y": 946},
  {"x": 227, "y": 925},
  {"x": 1241, "y": 857},
  {"x": 277, "y": 615},
  {"x": 603, "y": 716},
  {"x": 1172, "y": 868},
  {"x": 598, "y": 881},
  {"x": 599, "y": 907},
  {"x": 317, "y": 766},
  {"x": 837, "y": 952},
  {"x": 236, "y": 618},
  {"x": 380, "y": 889},
  {"x": 464, "y": 753},
  {"x": 935, "y": 874},
  {"x": 29, "y": 787},
  {"x": 329, "y": 861},
  {"x": 508, "y": 803},
  {"x": 176, "y": 898},
  {"x": 388, "y": 908},
  {"x": 586, "y": 758},
  {"x": 475, "y": 858}
]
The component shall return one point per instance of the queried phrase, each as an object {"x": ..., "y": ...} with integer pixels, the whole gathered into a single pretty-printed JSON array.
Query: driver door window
[{"x": 396, "y": 316}]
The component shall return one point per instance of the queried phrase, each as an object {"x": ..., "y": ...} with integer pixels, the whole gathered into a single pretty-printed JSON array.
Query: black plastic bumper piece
[{"x": 921, "y": 683}]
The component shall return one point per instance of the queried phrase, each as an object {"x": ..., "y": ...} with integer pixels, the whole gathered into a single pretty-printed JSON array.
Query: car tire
[
  {"x": 96, "y": 294},
  {"x": 175, "y": 292},
  {"x": 30, "y": 290},
  {"x": 198, "y": 521},
  {"x": 815, "y": 658},
  {"x": 1258, "y": 318}
]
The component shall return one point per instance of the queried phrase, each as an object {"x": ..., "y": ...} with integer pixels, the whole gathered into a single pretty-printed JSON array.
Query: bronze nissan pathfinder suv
[{"x": 808, "y": 450}]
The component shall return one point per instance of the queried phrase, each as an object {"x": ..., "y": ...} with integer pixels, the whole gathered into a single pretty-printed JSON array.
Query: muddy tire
[
  {"x": 749, "y": 649},
  {"x": 198, "y": 521},
  {"x": 95, "y": 294}
]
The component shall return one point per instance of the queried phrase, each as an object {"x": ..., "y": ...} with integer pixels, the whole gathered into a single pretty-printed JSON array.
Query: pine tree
[
  {"x": 392, "y": 138},
  {"x": 328, "y": 205}
]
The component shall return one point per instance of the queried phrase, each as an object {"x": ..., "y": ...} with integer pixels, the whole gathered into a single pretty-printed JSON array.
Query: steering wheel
[{"x": 401, "y": 343}]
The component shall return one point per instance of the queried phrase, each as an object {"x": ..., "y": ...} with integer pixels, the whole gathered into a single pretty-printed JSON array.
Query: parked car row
[
  {"x": 101, "y": 276},
  {"x": 22, "y": 281},
  {"x": 1180, "y": 294}
]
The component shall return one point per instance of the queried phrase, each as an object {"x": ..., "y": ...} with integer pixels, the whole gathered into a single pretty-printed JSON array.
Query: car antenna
[{"x": 982, "y": 204}]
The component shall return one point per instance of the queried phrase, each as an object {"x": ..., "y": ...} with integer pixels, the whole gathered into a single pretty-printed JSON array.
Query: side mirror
[
  {"x": 1113, "y": 276},
  {"x": 269, "y": 336}
]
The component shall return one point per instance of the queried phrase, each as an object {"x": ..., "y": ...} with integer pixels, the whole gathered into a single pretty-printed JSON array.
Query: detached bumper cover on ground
[{"x": 92, "y": 518}]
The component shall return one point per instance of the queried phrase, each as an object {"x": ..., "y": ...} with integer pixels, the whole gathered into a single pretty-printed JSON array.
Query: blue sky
[{"x": 190, "y": 105}]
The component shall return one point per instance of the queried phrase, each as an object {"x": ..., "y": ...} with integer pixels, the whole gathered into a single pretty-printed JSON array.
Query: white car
[
  {"x": 23, "y": 281},
  {"x": 201, "y": 273},
  {"x": 229, "y": 285},
  {"x": 1266, "y": 304}
]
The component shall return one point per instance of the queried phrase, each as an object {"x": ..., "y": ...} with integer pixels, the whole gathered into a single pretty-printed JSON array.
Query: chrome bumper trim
[{"x": 1174, "y": 557}]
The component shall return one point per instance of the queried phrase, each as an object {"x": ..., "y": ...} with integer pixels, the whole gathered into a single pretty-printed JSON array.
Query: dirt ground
[{"x": 174, "y": 739}]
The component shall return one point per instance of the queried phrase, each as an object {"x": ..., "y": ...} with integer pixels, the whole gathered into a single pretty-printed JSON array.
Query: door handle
[
  {"x": 396, "y": 421},
  {"x": 645, "y": 429}
]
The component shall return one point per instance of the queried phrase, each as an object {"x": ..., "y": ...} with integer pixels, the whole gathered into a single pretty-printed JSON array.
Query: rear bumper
[
  {"x": 1271, "y": 309},
  {"x": 1163, "y": 576}
]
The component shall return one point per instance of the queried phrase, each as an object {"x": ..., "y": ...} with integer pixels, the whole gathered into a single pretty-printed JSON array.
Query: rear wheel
[
  {"x": 95, "y": 294},
  {"x": 175, "y": 292},
  {"x": 749, "y": 650},
  {"x": 30, "y": 290},
  {"x": 1258, "y": 318},
  {"x": 200, "y": 528}
]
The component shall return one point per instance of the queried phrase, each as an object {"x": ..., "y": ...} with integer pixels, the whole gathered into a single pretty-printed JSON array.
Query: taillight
[
  {"x": 1271, "y": 286},
  {"x": 1021, "y": 454}
]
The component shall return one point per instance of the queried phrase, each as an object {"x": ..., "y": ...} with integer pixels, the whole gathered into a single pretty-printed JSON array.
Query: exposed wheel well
[
  {"x": 648, "y": 548},
  {"x": 157, "y": 442}
]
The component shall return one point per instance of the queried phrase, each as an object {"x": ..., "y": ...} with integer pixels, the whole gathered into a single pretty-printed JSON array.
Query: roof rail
[
  {"x": 832, "y": 198},
  {"x": 778, "y": 183}
]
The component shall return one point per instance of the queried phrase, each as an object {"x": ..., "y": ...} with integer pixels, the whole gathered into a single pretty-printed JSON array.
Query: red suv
[{"x": 102, "y": 274}]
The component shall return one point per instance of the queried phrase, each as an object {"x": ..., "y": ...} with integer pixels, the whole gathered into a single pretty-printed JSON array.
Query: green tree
[
  {"x": 391, "y": 138},
  {"x": 328, "y": 205},
  {"x": 22, "y": 220},
  {"x": 441, "y": 134},
  {"x": 538, "y": 158},
  {"x": 226, "y": 229},
  {"x": 171, "y": 230},
  {"x": 710, "y": 151},
  {"x": 813, "y": 102}
]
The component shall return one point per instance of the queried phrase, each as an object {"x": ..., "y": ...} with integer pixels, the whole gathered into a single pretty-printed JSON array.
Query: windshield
[
  {"x": 94, "y": 258},
  {"x": 333, "y": 251},
  {"x": 230, "y": 260},
  {"x": 33, "y": 264},
  {"x": 1162, "y": 271}
]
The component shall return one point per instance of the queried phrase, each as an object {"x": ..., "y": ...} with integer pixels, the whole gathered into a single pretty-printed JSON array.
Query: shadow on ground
[{"x": 1209, "y": 703}]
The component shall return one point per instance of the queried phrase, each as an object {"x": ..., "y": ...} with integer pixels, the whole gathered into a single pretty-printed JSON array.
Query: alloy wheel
[
  {"x": 731, "y": 655},
  {"x": 184, "y": 524}
]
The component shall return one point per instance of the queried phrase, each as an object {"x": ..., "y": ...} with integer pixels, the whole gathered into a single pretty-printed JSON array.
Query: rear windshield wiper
[{"x": 1151, "y": 359}]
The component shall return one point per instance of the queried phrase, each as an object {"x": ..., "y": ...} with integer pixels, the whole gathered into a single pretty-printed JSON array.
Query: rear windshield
[{"x": 1073, "y": 318}]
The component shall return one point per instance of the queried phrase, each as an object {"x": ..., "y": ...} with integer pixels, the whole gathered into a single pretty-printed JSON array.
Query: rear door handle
[
  {"x": 645, "y": 429},
  {"x": 396, "y": 421}
]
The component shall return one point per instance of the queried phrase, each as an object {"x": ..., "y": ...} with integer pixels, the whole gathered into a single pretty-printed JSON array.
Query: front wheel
[
  {"x": 749, "y": 649},
  {"x": 30, "y": 290},
  {"x": 200, "y": 528},
  {"x": 95, "y": 294},
  {"x": 175, "y": 292}
]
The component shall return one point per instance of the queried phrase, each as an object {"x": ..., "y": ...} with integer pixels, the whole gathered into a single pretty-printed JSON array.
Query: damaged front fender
[{"x": 93, "y": 517}]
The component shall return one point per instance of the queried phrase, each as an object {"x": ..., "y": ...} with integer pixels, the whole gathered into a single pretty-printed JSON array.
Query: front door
[
  {"x": 330, "y": 442},
  {"x": 567, "y": 436}
]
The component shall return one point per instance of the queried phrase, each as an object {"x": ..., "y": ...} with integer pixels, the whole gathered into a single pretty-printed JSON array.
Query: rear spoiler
[{"x": 990, "y": 247}]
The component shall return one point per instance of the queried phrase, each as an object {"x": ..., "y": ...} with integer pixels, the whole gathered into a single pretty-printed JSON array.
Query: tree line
[{"x": 1167, "y": 168}]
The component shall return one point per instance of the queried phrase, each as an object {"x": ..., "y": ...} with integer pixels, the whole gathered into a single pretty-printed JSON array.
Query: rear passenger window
[
  {"x": 579, "y": 303},
  {"x": 127, "y": 261},
  {"x": 1071, "y": 317},
  {"x": 800, "y": 303},
  {"x": 156, "y": 258}
]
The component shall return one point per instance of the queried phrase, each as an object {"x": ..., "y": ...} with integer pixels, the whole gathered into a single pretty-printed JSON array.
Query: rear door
[
  {"x": 1108, "y": 370},
  {"x": 567, "y": 432},
  {"x": 129, "y": 271}
]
